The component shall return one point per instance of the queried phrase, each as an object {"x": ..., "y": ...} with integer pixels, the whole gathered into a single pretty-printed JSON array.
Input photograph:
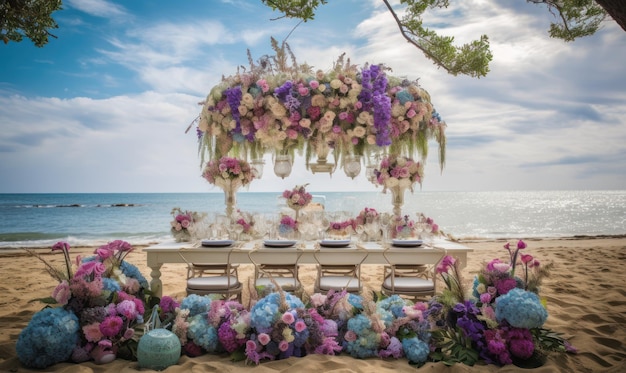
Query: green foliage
[
  {"x": 453, "y": 347},
  {"x": 27, "y": 18},
  {"x": 577, "y": 18},
  {"x": 548, "y": 340},
  {"x": 302, "y": 9}
]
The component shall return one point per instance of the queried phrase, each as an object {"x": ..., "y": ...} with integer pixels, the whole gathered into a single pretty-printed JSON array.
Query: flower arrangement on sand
[
  {"x": 399, "y": 171},
  {"x": 183, "y": 223},
  {"x": 297, "y": 198},
  {"x": 98, "y": 305},
  {"x": 502, "y": 321},
  {"x": 228, "y": 172},
  {"x": 279, "y": 108}
]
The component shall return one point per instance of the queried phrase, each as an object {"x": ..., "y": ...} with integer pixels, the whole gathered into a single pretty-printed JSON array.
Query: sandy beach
[{"x": 585, "y": 293}]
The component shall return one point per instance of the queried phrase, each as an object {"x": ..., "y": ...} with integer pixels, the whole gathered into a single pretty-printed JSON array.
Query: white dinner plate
[
  {"x": 335, "y": 243},
  {"x": 279, "y": 243},
  {"x": 217, "y": 243},
  {"x": 407, "y": 243}
]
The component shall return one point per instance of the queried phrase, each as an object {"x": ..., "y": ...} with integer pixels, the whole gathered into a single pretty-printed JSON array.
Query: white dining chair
[
  {"x": 411, "y": 272},
  {"x": 219, "y": 279},
  {"x": 276, "y": 267},
  {"x": 339, "y": 269}
]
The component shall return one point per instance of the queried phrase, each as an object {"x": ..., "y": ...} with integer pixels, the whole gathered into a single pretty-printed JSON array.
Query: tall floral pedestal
[
  {"x": 397, "y": 199},
  {"x": 230, "y": 197}
]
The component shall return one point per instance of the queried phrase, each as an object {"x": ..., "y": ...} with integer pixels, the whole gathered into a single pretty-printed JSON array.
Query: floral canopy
[{"x": 281, "y": 108}]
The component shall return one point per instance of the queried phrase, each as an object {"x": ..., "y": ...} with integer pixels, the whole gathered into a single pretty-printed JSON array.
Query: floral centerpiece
[
  {"x": 366, "y": 216},
  {"x": 99, "y": 304},
  {"x": 287, "y": 226},
  {"x": 229, "y": 174},
  {"x": 339, "y": 230},
  {"x": 502, "y": 322},
  {"x": 297, "y": 198},
  {"x": 279, "y": 108},
  {"x": 246, "y": 221},
  {"x": 367, "y": 224},
  {"x": 403, "y": 227},
  {"x": 183, "y": 222},
  {"x": 397, "y": 173}
]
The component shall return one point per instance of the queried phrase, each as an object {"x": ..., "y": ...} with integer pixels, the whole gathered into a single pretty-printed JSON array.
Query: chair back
[{"x": 414, "y": 256}]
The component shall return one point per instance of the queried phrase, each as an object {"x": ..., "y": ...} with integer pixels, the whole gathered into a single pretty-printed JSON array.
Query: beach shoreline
[{"x": 585, "y": 295}]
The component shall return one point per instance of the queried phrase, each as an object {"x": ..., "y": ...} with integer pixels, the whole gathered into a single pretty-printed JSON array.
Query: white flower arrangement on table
[
  {"x": 399, "y": 171},
  {"x": 298, "y": 198},
  {"x": 228, "y": 172},
  {"x": 183, "y": 223}
]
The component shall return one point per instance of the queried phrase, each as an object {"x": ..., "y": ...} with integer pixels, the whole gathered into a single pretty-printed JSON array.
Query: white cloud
[{"x": 98, "y": 8}]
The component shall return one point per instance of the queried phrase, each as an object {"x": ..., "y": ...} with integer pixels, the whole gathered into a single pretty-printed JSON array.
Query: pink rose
[
  {"x": 264, "y": 339},
  {"x": 288, "y": 318},
  {"x": 283, "y": 346}
]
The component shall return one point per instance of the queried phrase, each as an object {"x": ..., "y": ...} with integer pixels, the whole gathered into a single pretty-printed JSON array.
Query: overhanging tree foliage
[
  {"x": 574, "y": 19},
  {"x": 27, "y": 18}
]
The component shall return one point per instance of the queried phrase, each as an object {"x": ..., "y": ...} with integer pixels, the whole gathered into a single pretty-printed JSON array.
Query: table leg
[{"x": 156, "y": 286}]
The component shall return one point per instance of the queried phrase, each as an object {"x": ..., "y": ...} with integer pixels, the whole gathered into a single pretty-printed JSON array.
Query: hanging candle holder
[
  {"x": 282, "y": 165},
  {"x": 352, "y": 165}
]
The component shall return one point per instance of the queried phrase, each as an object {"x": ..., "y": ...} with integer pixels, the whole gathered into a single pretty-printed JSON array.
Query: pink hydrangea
[{"x": 111, "y": 326}]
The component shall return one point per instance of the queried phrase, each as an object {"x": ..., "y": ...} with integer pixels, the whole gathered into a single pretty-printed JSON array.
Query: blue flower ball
[{"x": 48, "y": 339}]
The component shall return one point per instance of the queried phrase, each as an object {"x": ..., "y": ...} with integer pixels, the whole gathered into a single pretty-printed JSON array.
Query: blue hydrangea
[
  {"x": 265, "y": 311},
  {"x": 366, "y": 345},
  {"x": 130, "y": 270},
  {"x": 196, "y": 304},
  {"x": 404, "y": 96},
  {"x": 415, "y": 349},
  {"x": 395, "y": 304},
  {"x": 359, "y": 324},
  {"x": 521, "y": 309},
  {"x": 110, "y": 284},
  {"x": 48, "y": 339},
  {"x": 202, "y": 333},
  {"x": 355, "y": 301}
]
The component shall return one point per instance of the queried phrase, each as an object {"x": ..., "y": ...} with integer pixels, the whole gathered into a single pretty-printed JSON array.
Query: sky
[{"x": 104, "y": 106}]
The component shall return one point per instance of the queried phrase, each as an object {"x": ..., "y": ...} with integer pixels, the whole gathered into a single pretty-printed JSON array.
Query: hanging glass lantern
[
  {"x": 282, "y": 165},
  {"x": 352, "y": 165},
  {"x": 257, "y": 166}
]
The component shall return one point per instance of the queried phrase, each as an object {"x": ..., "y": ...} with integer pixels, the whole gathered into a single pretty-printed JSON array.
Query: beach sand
[{"x": 586, "y": 294}]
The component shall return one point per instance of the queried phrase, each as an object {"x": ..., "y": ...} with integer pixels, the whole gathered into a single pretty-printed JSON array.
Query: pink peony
[{"x": 111, "y": 326}]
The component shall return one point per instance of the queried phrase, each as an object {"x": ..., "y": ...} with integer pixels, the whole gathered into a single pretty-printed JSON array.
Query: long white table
[{"x": 170, "y": 252}]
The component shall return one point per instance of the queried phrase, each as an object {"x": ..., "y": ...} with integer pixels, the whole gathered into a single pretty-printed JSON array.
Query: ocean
[{"x": 92, "y": 219}]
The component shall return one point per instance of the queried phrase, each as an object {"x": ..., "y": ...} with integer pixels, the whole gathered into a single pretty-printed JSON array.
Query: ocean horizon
[{"x": 92, "y": 219}]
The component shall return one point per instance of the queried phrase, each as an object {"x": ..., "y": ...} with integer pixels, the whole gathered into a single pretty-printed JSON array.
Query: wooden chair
[
  {"x": 411, "y": 272},
  {"x": 276, "y": 267},
  {"x": 220, "y": 279},
  {"x": 338, "y": 269}
]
